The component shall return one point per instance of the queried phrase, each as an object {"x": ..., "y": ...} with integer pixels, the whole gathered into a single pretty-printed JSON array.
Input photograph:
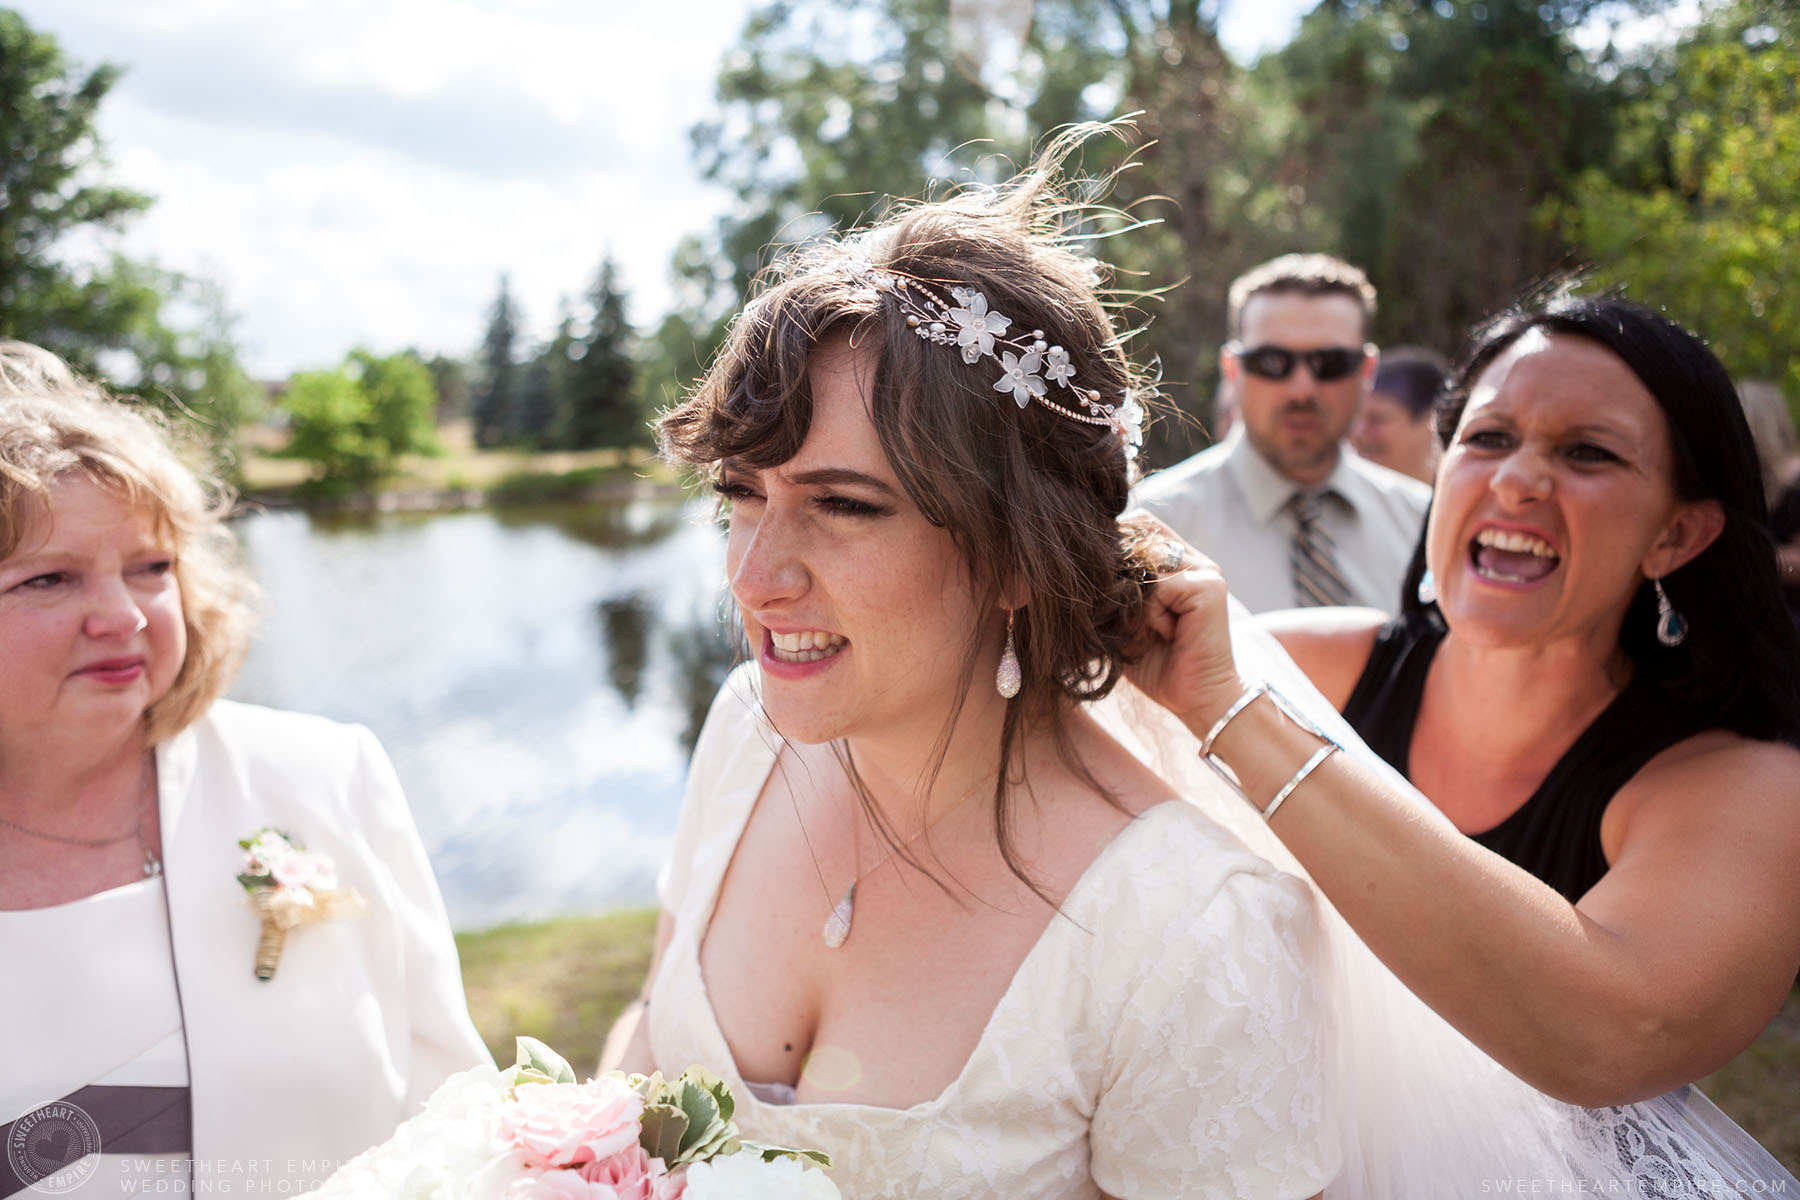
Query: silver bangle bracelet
[
  {"x": 1287, "y": 709},
  {"x": 1237, "y": 706},
  {"x": 1307, "y": 768}
]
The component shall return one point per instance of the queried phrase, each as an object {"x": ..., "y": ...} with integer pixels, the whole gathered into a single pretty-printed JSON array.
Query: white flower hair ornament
[{"x": 1029, "y": 366}]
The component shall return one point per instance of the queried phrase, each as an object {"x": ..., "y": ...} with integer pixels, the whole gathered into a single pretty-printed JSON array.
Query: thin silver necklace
[
  {"x": 837, "y": 926},
  {"x": 152, "y": 864}
]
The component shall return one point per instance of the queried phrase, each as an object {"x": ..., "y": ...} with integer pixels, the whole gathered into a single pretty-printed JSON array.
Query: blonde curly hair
[{"x": 53, "y": 423}]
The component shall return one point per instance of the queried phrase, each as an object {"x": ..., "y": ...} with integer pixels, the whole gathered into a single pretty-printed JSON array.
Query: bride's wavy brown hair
[{"x": 1031, "y": 499}]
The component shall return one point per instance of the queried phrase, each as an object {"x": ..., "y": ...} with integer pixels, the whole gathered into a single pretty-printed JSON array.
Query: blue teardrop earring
[{"x": 1671, "y": 629}]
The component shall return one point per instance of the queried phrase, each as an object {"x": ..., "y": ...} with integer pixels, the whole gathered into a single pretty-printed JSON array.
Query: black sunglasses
[{"x": 1327, "y": 363}]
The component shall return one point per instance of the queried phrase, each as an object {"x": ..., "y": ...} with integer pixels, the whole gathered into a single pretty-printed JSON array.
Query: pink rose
[
  {"x": 629, "y": 1175},
  {"x": 556, "y": 1185},
  {"x": 294, "y": 868},
  {"x": 568, "y": 1124},
  {"x": 634, "y": 1175}
]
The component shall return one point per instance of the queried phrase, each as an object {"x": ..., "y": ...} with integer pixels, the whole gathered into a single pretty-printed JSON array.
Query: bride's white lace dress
[
  {"x": 1200, "y": 1022},
  {"x": 1163, "y": 1038}
]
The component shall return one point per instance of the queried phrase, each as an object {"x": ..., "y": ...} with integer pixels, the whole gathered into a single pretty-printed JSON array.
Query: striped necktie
[{"x": 1317, "y": 579}]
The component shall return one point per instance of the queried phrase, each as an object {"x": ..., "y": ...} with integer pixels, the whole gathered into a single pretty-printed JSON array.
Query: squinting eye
[
  {"x": 1589, "y": 453},
  {"x": 847, "y": 507},
  {"x": 1485, "y": 439},
  {"x": 38, "y": 583}
]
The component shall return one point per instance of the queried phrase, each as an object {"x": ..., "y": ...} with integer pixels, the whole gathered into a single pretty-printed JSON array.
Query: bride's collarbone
[
  {"x": 892, "y": 1016},
  {"x": 889, "y": 1018}
]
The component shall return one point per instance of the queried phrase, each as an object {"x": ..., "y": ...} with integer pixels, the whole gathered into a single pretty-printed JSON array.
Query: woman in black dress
[{"x": 1623, "y": 915}]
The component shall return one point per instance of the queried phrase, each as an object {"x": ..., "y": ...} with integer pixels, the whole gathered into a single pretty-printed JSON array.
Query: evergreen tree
[
  {"x": 602, "y": 407},
  {"x": 497, "y": 402},
  {"x": 544, "y": 395}
]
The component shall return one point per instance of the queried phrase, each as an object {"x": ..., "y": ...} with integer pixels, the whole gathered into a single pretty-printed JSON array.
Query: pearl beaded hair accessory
[{"x": 1027, "y": 365}]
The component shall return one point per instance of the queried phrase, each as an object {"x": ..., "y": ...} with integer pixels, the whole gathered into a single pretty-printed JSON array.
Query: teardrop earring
[
  {"x": 1671, "y": 629},
  {"x": 1008, "y": 678}
]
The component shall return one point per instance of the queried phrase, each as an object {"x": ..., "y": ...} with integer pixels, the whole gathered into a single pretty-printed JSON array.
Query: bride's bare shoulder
[{"x": 1330, "y": 645}]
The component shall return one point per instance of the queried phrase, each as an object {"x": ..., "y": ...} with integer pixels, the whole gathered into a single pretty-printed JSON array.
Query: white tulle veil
[{"x": 1423, "y": 1113}]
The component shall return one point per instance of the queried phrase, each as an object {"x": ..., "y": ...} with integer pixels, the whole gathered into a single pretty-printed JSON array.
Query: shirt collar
[{"x": 1267, "y": 492}]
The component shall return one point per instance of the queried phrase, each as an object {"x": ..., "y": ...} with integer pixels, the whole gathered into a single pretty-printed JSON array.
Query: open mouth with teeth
[
  {"x": 809, "y": 645},
  {"x": 1506, "y": 556}
]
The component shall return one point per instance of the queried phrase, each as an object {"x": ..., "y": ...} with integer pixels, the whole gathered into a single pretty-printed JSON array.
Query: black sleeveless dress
[{"x": 1556, "y": 833}]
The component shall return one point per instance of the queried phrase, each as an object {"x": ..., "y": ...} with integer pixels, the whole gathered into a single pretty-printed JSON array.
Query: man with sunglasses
[{"x": 1292, "y": 515}]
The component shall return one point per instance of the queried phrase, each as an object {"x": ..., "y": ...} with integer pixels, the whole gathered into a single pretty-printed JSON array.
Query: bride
[{"x": 948, "y": 900}]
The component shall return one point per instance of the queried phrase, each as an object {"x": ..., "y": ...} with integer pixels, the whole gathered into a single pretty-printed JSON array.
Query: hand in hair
[{"x": 1182, "y": 659}]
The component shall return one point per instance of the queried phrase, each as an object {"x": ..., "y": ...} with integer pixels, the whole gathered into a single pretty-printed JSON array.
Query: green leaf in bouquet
[
  {"x": 707, "y": 1130},
  {"x": 660, "y": 1131},
  {"x": 716, "y": 1088},
  {"x": 771, "y": 1153},
  {"x": 537, "y": 1059}
]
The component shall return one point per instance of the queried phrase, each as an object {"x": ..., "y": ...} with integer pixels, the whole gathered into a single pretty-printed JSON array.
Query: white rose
[
  {"x": 745, "y": 1176},
  {"x": 293, "y": 869},
  {"x": 447, "y": 1152}
]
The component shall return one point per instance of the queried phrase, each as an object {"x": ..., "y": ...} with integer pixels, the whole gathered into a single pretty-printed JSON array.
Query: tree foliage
[
  {"x": 1702, "y": 220},
  {"x": 829, "y": 109},
  {"x": 355, "y": 422},
  {"x": 1421, "y": 139},
  {"x": 601, "y": 406},
  {"x": 495, "y": 411},
  {"x": 108, "y": 315}
]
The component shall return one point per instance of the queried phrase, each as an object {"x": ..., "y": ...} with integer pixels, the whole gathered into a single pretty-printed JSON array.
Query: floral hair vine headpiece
[{"x": 1027, "y": 366}]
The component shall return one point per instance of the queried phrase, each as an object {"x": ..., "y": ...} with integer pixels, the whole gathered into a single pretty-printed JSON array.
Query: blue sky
[{"x": 361, "y": 171}]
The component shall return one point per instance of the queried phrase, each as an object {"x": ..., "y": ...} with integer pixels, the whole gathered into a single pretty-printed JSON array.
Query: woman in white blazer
[{"x": 141, "y": 1046}]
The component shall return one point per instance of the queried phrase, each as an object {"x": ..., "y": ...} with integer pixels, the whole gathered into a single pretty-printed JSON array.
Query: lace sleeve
[{"x": 1215, "y": 1080}]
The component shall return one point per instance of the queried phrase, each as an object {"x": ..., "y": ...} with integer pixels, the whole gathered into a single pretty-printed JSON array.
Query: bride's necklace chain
[
  {"x": 837, "y": 926},
  {"x": 145, "y": 793}
]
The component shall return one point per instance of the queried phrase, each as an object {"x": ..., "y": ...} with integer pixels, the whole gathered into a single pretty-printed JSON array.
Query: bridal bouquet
[{"x": 533, "y": 1133}]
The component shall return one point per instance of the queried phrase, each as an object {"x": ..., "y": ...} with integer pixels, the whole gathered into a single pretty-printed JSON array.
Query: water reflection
[
  {"x": 538, "y": 675},
  {"x": 625, "y": 624}
]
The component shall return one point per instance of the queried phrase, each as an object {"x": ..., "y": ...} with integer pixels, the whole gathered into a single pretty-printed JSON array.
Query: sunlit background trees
[{"x": 1461, "y": 150}]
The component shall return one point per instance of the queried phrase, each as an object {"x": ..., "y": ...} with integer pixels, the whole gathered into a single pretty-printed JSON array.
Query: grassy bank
[
  {"x": 564, "y": 981},
  {"x": 561, "y": 981},
  {"x": 461, "y": 470}
]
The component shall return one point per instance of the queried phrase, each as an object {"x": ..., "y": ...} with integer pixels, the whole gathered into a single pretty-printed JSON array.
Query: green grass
[
  {"x": 564, "y": 981},
  {"x": 1760, "y": 1088},
  {"x": 506, "y": 474}
]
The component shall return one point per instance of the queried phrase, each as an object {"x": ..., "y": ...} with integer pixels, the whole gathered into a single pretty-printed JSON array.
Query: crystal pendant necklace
[{"x": 837, "y": 925}]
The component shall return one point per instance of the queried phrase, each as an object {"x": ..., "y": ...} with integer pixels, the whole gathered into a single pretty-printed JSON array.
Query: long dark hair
[
  {"x": 1031, "y": 499},
  {"x": 1741, "y": 658}
]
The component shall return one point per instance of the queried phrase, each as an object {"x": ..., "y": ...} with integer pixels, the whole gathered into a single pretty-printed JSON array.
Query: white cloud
[{"x": 362, "y": 173}]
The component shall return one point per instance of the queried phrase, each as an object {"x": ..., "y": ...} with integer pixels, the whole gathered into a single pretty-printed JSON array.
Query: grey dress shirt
[{"x": 1232, "y": 506}]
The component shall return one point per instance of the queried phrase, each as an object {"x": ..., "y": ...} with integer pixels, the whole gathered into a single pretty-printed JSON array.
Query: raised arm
[{"x": 1663, "y": 972}]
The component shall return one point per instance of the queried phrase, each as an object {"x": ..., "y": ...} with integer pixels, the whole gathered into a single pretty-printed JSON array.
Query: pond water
[{"x": 537, "y": 674}]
